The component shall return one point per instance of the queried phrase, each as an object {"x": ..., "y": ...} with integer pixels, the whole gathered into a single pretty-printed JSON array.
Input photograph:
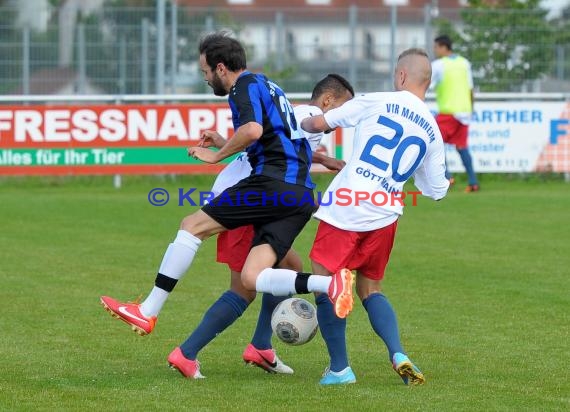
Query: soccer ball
[{"x": 294, "y": 321}]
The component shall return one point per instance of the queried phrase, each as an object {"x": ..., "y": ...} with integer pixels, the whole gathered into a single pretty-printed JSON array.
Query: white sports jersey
[
  {"x": 236, "y": 170},
  {"x": 303, "y": 111},
  {"x": 239, "y": 168},
  {"x": 396, "y": 137}
]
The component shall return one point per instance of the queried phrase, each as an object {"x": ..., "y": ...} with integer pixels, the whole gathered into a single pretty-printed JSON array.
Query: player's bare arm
[
  {"x": 315, "y": 124},
  {"x": 329, "y": 162},
  {"x": 243, "y": 137},
  {"x": 211, "y": 138}
]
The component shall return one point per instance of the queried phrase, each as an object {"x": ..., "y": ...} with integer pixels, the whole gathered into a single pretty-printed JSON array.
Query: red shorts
[
  {"x": 366, "y": 252},
  {"x": 233, "y": 247},
  {"x": 452, "y": 130}
]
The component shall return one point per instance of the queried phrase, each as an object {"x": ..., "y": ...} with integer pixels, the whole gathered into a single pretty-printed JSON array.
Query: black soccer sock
[{"x": 301, "y": 282}]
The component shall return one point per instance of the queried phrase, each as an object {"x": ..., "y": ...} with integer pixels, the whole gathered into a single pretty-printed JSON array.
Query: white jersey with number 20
[{"x": 396, "y": 137}]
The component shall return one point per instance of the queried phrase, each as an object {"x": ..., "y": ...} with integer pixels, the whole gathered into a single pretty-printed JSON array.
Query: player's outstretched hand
[
  {"x": 211, "y": 138},
  {"x": 203, "y": 154},
  {"x": 333, "y": 164},
  {"x": 329, "y": 162}
]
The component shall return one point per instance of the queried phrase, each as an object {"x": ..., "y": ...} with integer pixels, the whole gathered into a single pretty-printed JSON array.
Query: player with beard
[{"x": 279, "y": 201}]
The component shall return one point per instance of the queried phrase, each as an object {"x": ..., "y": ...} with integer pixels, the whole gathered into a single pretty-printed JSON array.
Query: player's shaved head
[{"x": 413, "y": 71}]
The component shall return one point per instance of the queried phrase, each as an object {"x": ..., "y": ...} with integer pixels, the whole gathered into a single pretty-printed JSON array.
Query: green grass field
[{"x": 480, "y": 283}]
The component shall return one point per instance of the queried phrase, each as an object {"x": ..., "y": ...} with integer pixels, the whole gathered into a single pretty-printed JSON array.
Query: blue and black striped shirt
[{"x": 282, "y": 152}]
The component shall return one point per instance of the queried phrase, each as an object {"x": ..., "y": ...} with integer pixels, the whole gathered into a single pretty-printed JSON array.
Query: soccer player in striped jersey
[
  {"x": 233, "y": 245},
  {"x": 396, "y": 138},
  {"x": 279, "y": 191}
]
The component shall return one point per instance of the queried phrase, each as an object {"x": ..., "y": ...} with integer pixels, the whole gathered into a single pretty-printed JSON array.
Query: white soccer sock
[
  {"x": 176, "y": 261},
  {"x": 278, "y": 282},
  {"x": 319, "y": 283},
  {"x": 281, "y": 282},
  {"x": 154, "y": 302}
]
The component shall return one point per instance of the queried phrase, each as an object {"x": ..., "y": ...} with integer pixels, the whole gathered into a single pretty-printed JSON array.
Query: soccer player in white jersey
[{"x": 396, "y": 138}]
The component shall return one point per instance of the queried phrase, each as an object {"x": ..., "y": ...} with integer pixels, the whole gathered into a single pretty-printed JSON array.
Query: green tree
[
  {"x": 561, "y": 70},
  {"x": 43, "y": 49},
  {"x": 509, "y": 42},
  {"x": 10, "y": 48},
  {"x": 118, "y": 21},
  {"x": 121, "y": 21}
]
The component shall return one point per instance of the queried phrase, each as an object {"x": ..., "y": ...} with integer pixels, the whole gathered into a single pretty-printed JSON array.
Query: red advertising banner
[
  {"x": 109, "y": 139},
  {"x": 152, "y": 139}
]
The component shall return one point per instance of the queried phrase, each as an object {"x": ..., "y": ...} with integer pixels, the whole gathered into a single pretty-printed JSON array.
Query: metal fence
[{"x": 114, "y": 50}]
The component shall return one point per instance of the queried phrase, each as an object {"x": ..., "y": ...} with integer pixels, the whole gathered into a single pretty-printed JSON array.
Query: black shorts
[{"x": 277, "y": 210}]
